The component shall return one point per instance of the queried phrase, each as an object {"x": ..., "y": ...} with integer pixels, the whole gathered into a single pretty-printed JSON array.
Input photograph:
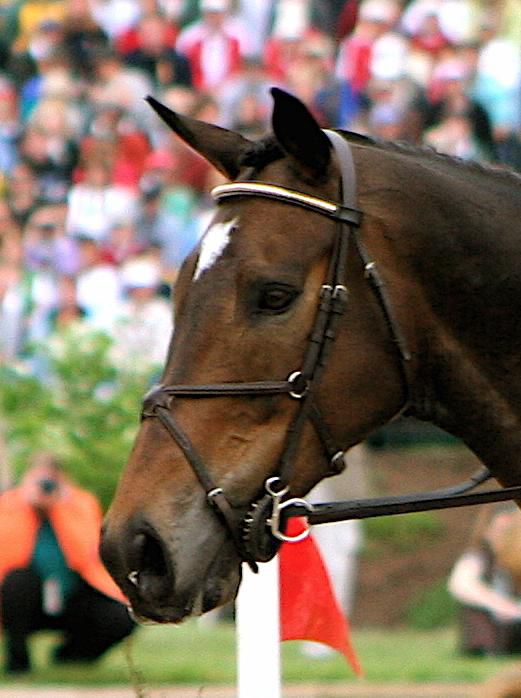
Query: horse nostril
[
  {"x": 150, "y": 554},
  {"x": 150, "y": 574}
]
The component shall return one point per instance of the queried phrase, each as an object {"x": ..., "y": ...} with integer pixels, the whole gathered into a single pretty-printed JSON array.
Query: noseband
[{"x": 251, "y": 535}]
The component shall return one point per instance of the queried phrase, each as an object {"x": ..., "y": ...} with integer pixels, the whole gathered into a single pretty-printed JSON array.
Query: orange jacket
[{"x": 76, "y": 520}]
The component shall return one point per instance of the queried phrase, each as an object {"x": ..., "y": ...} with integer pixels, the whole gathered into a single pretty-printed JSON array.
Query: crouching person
[
  {"x": 51, "y": 575},
  {"x": 486, "y": 581}
]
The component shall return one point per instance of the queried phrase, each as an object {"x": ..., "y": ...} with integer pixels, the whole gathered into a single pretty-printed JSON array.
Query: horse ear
[
  {"x": 221, "y": 147},
  {"x": 298, "y": 133}
]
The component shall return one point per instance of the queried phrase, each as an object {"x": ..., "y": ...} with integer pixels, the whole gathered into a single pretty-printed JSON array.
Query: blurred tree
[{"x": 86, "y": 410}]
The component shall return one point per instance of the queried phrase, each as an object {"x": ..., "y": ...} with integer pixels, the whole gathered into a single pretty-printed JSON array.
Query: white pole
[{"x": 258, "y": 632}]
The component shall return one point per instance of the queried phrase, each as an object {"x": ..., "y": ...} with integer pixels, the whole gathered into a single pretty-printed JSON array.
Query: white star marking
[{"x": 213, "y": 244}]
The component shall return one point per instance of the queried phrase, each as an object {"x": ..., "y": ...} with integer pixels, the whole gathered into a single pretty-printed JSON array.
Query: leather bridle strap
[
  {"x": 457, "y": 496},
  {"x": 157, "y": 403},
  {"x": 332, "y": 302}
]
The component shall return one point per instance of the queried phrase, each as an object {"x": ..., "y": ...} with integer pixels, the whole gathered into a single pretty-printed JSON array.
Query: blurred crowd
[{"x": 99, "y": 203}]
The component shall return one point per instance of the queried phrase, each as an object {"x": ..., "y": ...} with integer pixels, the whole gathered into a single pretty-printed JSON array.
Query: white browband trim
[{"x": 274, "y": 191}]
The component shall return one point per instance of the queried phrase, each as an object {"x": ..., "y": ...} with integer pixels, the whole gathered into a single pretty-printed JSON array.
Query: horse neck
[{"x": 460, "y": 298}]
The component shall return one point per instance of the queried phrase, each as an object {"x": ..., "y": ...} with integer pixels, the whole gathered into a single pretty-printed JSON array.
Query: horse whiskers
[{"x": 197, "y": 606}]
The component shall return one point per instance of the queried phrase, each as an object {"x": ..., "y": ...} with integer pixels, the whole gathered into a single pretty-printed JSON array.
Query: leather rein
[{"x": 258, "y": 535}]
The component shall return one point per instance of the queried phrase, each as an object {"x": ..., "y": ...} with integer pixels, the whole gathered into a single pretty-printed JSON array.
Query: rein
[{"x": 269, "y": 514}]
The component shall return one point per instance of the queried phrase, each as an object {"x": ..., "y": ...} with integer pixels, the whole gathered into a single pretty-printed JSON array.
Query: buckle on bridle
[
  {"x": 210, "y": 496},
  {"x": 340, "y": 292},
  {"x": 300, "y": 386},
  {"x": 278, "y": 507},
  {"x": 156, "y": 397}
]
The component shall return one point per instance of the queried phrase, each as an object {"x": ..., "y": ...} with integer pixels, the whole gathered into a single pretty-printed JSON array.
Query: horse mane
[
  {"x": 263, "y": 152},
  {"x": 427, "y": 152}
]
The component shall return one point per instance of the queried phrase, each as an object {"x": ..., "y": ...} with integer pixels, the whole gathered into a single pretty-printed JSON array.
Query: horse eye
[{"x": 276, "y": 298}]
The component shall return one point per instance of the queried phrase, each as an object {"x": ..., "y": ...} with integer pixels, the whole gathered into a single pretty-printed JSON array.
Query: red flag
[{"x": 308, "y": 607}]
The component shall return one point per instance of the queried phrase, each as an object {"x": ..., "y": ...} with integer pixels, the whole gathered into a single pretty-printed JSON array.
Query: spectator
[
  {"x": 355, "y": 53},
  {"x": 311, "y": 78},
  {"x": 174, "y": 231},
  {"x": 66, "y": 310},
  {"x": 115, "y": 83},
  {"x": 455, "y": 135},
  {"x": 14, "y": 297},
  {"x": 497, "y": 87},
  {"x": 113, "y": 135},
  {"x": 486, "y": 582},
  {"x": 10, "y": 230},
  {"x": 291, "y": 33},
  {"x": 386, "y": 121},
  {"x": 258, "y": 14},
  {"x": 10, "y": 128},
  {"x": 397, "y": 109},
  {"x": 157, "y": 169},
  {"x": 50, "y": 573},
  {"x": 149, "y": 220},
  {"x": 155, "y": 56},
  {"x": 46, "y": 246},
  {"x": 212, "y": 45},
  {"x": 509, "y": 20},
  {"x": 29, "y": 18},
  {"x": 251, "y": 82},
  {"x": 249, "y": 117},
  {"x": 115, "y": 17},
  {"x": 130, "y": 40},
  {"x": 98, "y": 285},
  {"x": 457, "y": 19},
  {"x": 329, "y": 16},
  {"x": 67, "y": 324},
  {"x": 51, "y": 76},
  {"x": 143, "y": 323},
  {"x": 428, "y": 36},
  {"x": 456, "y": 123},
  {"x": 22, "y": 193},
  {"x": 122, "y": 242},
  {"x": 48, "y": 252},
  {"x": 347, "y": 19},
  {"x": 82, "y": 38},
  {"x": 48, "y": 145},
  {"x": 95, "y": 204}
]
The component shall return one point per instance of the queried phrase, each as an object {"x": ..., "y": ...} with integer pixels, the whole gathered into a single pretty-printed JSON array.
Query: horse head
[{"x": 246, "y": 306}]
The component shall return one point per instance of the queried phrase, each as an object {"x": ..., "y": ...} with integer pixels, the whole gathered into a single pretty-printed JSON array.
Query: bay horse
[{"x": 342, "y": 282}]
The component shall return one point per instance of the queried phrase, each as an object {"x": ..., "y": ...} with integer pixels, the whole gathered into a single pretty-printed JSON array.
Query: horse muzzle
[{"x": 163, "y": 585}]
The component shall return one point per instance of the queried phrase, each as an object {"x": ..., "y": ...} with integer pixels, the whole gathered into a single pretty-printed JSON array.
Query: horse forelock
[
  {"x": 261, "y": 153},
  {"x": 267, "y": 151}
]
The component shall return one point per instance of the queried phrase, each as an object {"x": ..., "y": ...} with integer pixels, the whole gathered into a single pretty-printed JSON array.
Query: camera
[{"x": 48, "y": 486}]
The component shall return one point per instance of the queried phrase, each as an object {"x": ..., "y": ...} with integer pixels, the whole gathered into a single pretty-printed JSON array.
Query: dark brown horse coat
[{"x": 446, "y": 237}]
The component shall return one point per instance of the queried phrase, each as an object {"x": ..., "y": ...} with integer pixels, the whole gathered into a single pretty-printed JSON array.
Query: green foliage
[
  {"x": 85, "y": 410},
  {"x": 402, "y": 533},
  {"x": 433, "y": 608}
]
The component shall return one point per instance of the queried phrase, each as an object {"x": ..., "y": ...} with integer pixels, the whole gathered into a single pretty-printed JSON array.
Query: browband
[{"x": 289, "y": 196}]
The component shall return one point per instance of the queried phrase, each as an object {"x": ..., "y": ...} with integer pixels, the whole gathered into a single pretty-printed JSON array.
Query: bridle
[{"x": 269, "y": 514}]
